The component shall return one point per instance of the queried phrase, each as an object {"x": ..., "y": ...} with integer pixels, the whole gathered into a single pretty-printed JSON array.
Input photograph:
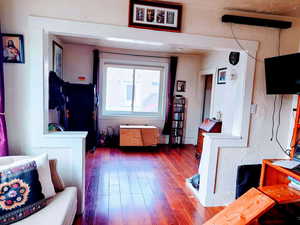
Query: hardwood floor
[{"x": 140, "y": 187}]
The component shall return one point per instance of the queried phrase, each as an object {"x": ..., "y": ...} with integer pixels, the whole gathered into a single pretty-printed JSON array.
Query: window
[{"x": 132, "y": 90}]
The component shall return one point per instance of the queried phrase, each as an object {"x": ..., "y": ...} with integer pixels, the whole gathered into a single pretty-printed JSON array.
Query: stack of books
[{"x": 294, "y": 183}]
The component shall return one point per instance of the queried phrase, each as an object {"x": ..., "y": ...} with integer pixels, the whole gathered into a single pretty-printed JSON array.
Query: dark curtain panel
[
  {"x": 3, "y": 131},
  {"x": 170, "y": 93},
  {"x": 96, "y": 61},
  {"x": 96, "y": 67}
]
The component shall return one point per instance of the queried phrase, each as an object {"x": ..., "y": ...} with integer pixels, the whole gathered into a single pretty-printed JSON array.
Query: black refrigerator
[{"x": 80, "y": 111}]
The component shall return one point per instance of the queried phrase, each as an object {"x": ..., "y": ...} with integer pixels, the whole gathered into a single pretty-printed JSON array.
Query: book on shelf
[
  {"x": 292, "y": 179},
  {"x": 294, "y": 186}
]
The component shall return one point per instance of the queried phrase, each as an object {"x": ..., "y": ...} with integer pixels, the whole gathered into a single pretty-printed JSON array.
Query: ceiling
[
  {"x": 144, "y": 46},
  {"x": 277, "y": 7}
]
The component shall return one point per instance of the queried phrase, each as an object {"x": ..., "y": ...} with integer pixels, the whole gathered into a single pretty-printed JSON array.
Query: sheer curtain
[{"x": 3, "y": 132}]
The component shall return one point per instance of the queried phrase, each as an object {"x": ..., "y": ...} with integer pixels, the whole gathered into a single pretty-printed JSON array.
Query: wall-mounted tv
[{"x": 283, "y": 74}]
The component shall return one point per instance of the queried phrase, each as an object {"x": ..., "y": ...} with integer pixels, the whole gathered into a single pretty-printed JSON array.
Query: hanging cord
[
  {"x": 285, "y": 151},
  {"x": 241, "y": 46},
  {"x": 273, "y": 118},
  {"x": 275, "y": 98}
]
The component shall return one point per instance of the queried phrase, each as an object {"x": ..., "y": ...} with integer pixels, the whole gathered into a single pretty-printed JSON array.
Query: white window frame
[{"x": 139, "y": 65}]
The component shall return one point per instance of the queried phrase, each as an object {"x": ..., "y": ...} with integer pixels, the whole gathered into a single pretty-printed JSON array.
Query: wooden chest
[
  {"x": 208, "y": 126},
  {"x": 138, "y": 135}
]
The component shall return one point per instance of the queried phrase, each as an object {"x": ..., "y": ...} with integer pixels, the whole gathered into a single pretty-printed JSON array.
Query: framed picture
[
  {"x": 180, "y": 86},
  {"x": 222, "y": 73},
  {"x": 13, "y": 48},
  {"x": 58, "y": 59},
  {"x": 155, "y": 15}
]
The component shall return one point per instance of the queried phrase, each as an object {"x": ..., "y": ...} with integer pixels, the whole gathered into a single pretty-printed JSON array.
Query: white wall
[
  {"x": 78, "y": 61},
  {"x": 222, "y": 93},
  {"x": 198, "y": 18},
  {"x": 213, "y": 61},
  {"x": 187, "y": 69}
]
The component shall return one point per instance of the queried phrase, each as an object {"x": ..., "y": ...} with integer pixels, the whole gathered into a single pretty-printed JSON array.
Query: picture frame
[
  {"x": 13, "y": 48},
  {"x": 155, "y": 15},
  {"x": 180, "y": 86},
  {"x": 222, "y": 75},
  {"x": 57, "y": 59}
]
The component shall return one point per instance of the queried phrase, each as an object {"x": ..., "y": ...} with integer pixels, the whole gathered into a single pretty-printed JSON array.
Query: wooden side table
[
  {"x": 208, "y": 126},
  {"x": 274, "y": 175}
]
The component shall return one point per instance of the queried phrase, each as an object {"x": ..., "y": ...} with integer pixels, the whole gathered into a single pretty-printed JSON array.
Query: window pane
[
  {"x": 146, "y": 94},
  {"x": 119, "y": 83}
]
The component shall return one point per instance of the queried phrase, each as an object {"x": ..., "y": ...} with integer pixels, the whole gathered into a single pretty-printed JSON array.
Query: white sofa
[{"x": 60, "y": 210}]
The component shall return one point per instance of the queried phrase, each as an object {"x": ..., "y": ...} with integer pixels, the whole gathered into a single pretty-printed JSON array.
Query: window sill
[{"x": 152, "y": 117}]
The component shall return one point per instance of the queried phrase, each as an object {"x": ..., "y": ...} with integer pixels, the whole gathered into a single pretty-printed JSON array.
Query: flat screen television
[{"x": 283, "y": 74}]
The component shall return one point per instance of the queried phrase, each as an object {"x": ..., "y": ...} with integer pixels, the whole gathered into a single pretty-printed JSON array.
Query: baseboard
[
  {"x": 164, "y": 139},
  {"x": 190, "y": 140}
]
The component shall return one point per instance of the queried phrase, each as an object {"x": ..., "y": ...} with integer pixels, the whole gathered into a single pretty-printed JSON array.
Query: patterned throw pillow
[{"x": 20, "y": 192}]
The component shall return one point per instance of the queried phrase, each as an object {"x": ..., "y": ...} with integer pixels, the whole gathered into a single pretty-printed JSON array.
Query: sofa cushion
[
  {"x": 60, "y": 210},
  {"x": 20, "y": 192},
  {"x": 44, "y": 173},
  {"x": 55, "y": 177},
  {"x": 42, "y": 167}
]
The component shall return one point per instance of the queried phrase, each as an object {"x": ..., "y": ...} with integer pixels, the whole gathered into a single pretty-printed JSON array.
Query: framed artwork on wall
[
  {"x": 180, "y": 86},
  {"x": 13, "y": 48},
  {"x": 155, "y": 15},
  {"x": 58, "y": 59},
  {"x": 222, "y": 73}
]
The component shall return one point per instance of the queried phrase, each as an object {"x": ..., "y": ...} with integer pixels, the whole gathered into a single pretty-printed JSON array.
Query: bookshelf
[{"x": 178, "y": 115}]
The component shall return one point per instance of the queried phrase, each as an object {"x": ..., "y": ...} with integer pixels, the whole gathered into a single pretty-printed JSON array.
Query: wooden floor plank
[{"x": 142, "y": 187}]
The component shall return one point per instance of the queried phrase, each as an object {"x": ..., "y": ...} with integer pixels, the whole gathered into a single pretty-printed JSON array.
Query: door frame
[{"x": 201, "y": 79}]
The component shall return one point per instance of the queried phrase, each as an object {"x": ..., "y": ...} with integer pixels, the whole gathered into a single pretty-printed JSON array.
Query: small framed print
[
  {"x": 58, "y": 59},
  {"x": 13, "y": 48},
  {"x": 180, "y": 86},
  {"x": 222, "y": 73},
  {"x": 155, "y": 15}
]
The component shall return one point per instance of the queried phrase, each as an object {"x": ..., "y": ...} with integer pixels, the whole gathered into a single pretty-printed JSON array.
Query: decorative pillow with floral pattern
[{"x": 20, "y": 192}]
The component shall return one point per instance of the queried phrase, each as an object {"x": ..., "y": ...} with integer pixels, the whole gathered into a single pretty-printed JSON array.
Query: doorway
[{"x": 207, "y": 97}]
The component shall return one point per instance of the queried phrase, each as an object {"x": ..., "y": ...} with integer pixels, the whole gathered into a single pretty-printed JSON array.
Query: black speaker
[{"x": 256, "y": 21}]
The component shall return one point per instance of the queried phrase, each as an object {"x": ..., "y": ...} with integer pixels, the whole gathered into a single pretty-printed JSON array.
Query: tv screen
[{"x": 283, "y": 74}]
